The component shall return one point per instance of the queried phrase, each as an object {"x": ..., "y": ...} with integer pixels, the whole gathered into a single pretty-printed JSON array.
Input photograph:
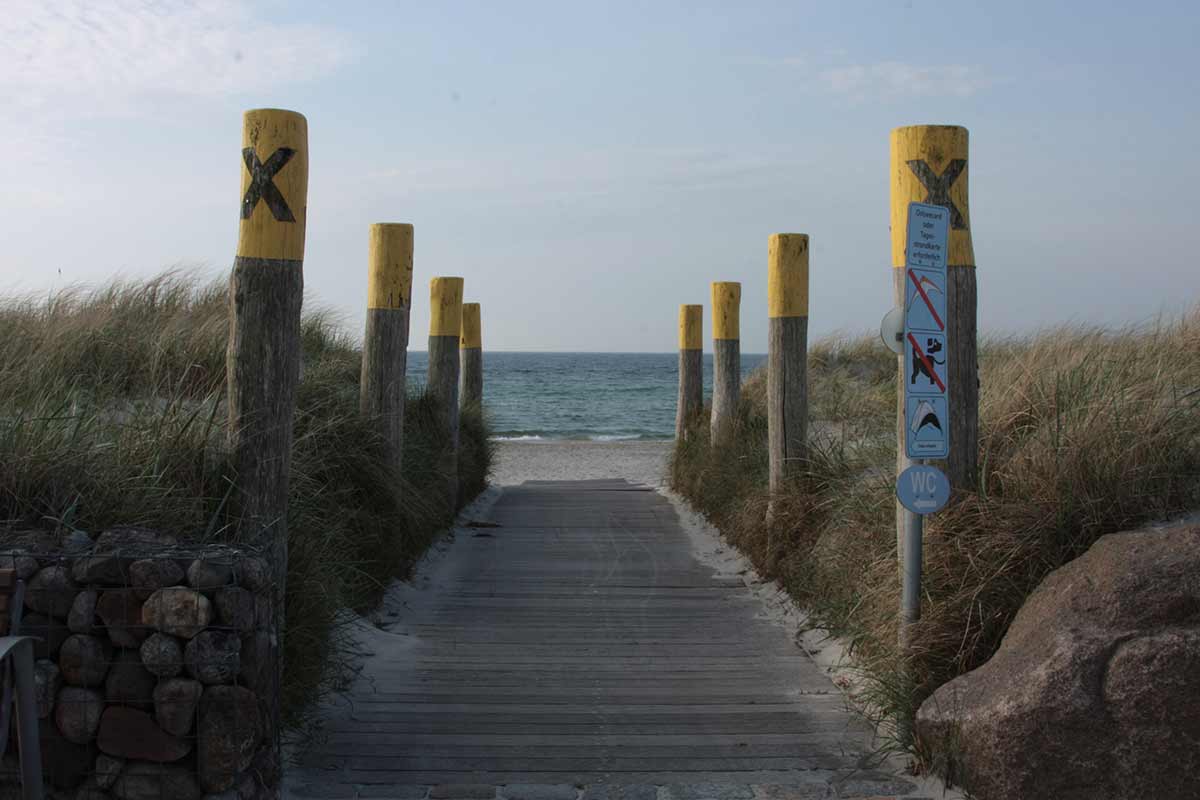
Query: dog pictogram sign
[{"x": 926, "y": 359}]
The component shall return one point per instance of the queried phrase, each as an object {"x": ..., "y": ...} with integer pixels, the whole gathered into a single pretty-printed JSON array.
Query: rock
[
  {"x": 178, "y": 611},
  {"x": 25, "y": 565},
  {"x": 91, "y": 791},
  {"x": 235, "y": 608},
  {"x": 148, "y": 575},
  {"x": 133, "y": 734},
  {"x": 211, "y": 572},
  {"x": 51, "y": 592},
  {"x": 121, "y": 612},
  {"x": 148, "y": 781},
  {"x": 175, "y": 703},
  {"x": 162, "y": 655},
  {"x": 116, "y": 549},
  {"x": 256, "y": 660},
  {"x": 128, "y": 682},
  {"x": 77, "y": 542},
  {"x": 1092, "y": 691},
  {"x": 77, "y": 713},
  {"x": 48, "y": 634},
  {"x": 227, "y": 736},
  {"x": 213, "y": 657},
  {"x": 47, "y": 681},
  {"x": 108, "y": 769},
  {"x": 82, "y": 617},
  {"x": 252, "y": 573},
  {"x": 66, "y": 763},
  {"x": 84, "y": 660}
]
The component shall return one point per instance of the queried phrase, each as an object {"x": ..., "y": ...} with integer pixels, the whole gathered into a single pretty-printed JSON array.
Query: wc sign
[
  {"x": 923, "y": 489},
  {"x": 925, "y": 347}
]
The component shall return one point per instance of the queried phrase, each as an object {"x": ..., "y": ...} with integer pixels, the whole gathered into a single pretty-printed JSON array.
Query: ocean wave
[{"x": 576, "y": 436}]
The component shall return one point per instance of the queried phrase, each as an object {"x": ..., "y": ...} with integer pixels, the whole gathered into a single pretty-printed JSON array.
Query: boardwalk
[{"x": 580, "y": 650}]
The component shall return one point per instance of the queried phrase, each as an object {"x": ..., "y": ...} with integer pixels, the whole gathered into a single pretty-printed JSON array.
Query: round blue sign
[{"x": 923, "y": 489}]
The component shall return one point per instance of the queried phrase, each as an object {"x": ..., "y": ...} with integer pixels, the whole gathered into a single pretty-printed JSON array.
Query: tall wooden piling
[
  {"x": 691, "y": 368},
  {"x": 385, "y": 344},
  {"x": 727, "y": 358},
  {"x": 445, "y": 327},
  {"x": 470, "y": 348},
  {"x": 929, "y": 165},
  {"x": 265, "y": 290},
  {"x": 787, "y": 355}
]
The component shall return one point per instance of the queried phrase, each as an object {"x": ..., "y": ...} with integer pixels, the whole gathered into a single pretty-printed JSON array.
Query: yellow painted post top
[
  {"x": 787, "y": 275},
  {"x": 389, "y": 265},
  {"x": 445, "y": 306},
  {"x": 726, "y": 303},
  {"x": 274, "y": 185},
  {"x": 691, "y": 327},
  {"x": 472, "y": 328},
  {"x": 929, "y": 165}
]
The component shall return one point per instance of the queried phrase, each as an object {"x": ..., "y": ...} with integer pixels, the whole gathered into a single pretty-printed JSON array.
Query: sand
[{"x": 636, "y": 461}]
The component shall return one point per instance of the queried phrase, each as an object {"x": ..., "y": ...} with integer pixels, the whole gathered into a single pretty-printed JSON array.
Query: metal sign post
[{"x": 922, "y": 489}]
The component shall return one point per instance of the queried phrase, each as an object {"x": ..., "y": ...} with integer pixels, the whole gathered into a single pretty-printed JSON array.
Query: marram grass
[
  {"x": 1083, "y": 432},
  {"x": 112, "y": 413}
]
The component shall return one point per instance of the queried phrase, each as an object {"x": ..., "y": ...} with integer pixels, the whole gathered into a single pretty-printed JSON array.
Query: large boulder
[
  {"x": 115, "y": 550},
  {"x": 129, "y": 733},
  {"x": 227, "y": 736},
  {"x": 51, "y": 592},
  {"x": 121, "y": 612},
  {"x": 178, "y": 611},
  {"x": 1093, "y": 690}
]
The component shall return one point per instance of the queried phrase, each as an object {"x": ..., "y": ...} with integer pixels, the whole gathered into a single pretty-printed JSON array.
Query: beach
[{"x": 637, "y": 461}]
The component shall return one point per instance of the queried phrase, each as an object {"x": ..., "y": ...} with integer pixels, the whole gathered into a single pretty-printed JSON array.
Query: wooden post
[
  {"x": 929, "y": 165},
  {"x": 470, "y": 347},
  {"x": 691, "y": 368},
  {"x": 265, "y": 291},
  {"x": 727, "y": 359},
  {"x": 787, "y": 355},
  {"x": 445, "y": 326},
  {"x": 385, "y": 344}
]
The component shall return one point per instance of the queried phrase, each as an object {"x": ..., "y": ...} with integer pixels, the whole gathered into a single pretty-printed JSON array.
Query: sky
[{"x": 587, "y": 167}]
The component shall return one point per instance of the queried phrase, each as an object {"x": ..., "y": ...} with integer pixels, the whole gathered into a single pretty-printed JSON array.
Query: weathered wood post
[
  {"x": 265, "y": 291},
  {"x": 691, "y": 368},
  {"x": 727, "y": 359},
  {"x": 470, "y": 345},
  {"x": 787, "y": 355},
  {"x": 929, "y": 165},
  {"x": 385, "y": 343},
  {"x": 445, "y": 326}
]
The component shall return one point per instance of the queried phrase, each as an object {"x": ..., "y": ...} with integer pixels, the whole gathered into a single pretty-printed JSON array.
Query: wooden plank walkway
[{"x": 579, "y": 651}]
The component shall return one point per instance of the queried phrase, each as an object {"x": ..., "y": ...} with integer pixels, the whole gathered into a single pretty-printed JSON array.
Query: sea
[{"x": 601, "y": 397}]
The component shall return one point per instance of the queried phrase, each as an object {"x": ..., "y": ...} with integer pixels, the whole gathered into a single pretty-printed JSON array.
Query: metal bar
[
  {"x": 910, "y": 596},
  {"x": 27, "y": 720}
]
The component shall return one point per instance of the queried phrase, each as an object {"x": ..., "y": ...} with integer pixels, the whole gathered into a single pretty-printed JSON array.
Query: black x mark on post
[
  {"x": 938, "y": 187},
  {"x": 262, "y": 183}
]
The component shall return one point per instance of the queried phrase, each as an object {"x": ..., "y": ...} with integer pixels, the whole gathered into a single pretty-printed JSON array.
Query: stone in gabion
[
  {"x": 129, "y": 733},
  {"x": 84, "y": 660},
  {"x": 175, "y": 702},
  {"x": 162, "y": 655},
  {"x": 48, "y": 634},
  {"x": 210, "y": 573},
  {"x": 47, "y": 680},
  {"x": 213, "y": 657},
  {"x": 227, "y": 735},
  {"x": 77, "y": 542},
  {"x": 142, "y": 780},
  {"x": 256, "y": 660},
  {"x": 148, "y": 575},
  {"x": 177, "y": 610},
  {"x": 72, "y": 762},
  {"x": 91, "y": 791},
  {"x": 252, "y": 574},
  {"x": 82, "y": 618},
  {"x": 235, "y": 608},
  {"x": 51, "y": 592},
  {"x": 108, "y": 769},
  {"x": 121, "y": 612},
  {"x": 78, "y": 713},
  {"x": 24, "y": 564},
  {"x": 128, "y": 682}
]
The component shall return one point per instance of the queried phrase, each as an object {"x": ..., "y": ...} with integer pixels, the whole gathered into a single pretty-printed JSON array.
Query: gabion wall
[{"x": 157, "y": 671}]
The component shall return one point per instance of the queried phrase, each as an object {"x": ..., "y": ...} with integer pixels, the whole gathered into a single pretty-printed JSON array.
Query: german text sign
[{"x": 927, "y": 425}]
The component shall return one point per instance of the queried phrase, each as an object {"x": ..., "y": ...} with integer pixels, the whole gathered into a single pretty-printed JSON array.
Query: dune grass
[
  {"x": 112, "y": 413},
  {"x": 1084, "y": 431}
]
